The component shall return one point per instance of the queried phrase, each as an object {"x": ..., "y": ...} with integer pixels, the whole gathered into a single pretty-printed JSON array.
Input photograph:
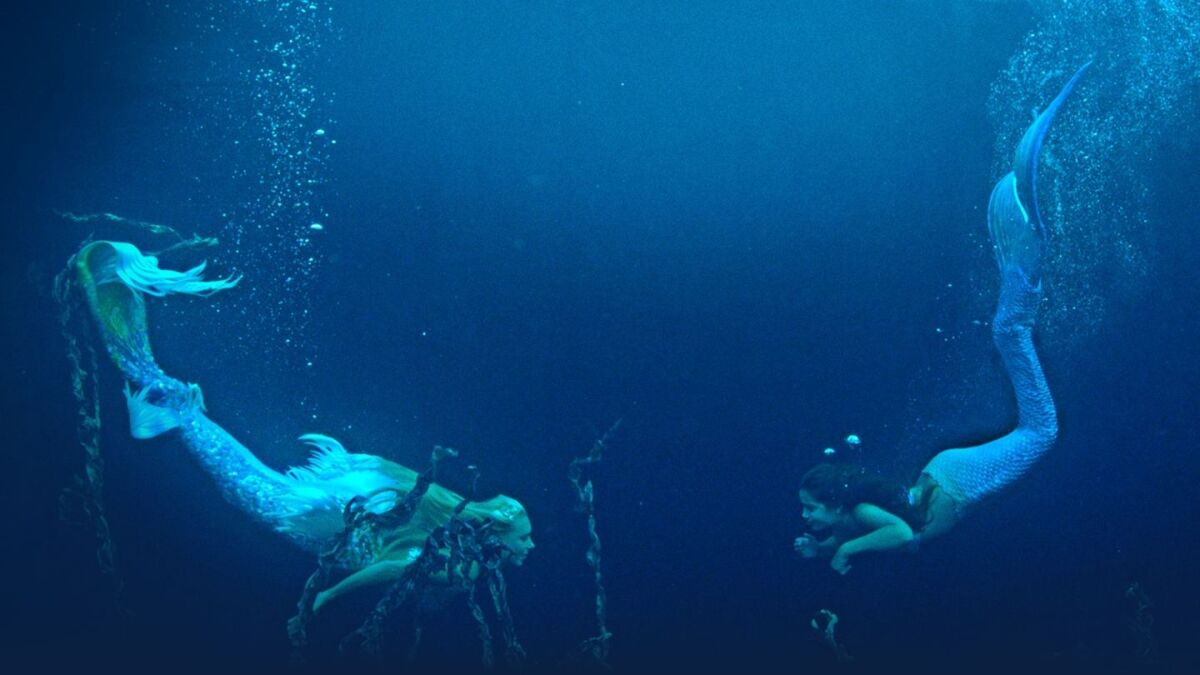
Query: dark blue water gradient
[{"x": 747, "y": 231}]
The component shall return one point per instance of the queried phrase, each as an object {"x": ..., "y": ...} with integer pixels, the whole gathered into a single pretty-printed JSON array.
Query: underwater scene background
[{"x": 745, "y": 230}]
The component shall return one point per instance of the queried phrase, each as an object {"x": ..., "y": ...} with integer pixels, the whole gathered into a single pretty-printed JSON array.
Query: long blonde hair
[{"x": 435, "y": 510}]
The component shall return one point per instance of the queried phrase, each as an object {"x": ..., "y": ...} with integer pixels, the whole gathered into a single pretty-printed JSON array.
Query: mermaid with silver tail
[
  {"x": 305, "y": 504},
  {"x": 859, "y": 514}
]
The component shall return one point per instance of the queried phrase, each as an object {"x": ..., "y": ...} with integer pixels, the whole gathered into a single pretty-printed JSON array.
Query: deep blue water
[{"x": 745, "y": 229}]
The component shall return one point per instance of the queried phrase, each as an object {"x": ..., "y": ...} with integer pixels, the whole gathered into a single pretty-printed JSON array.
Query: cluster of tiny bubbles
[
  {"x": 1097, "y": 165},
  {"x": 274, "y": 139},
  {"x": 1094, "y": 191},
  {"x": 958, "y": 378}
]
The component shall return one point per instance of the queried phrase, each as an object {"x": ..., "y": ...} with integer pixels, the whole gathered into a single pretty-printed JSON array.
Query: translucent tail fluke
[
  {"x": 1026, "y": 160},
  {"x": 1015, "y": 225},
  {"x": 113, "y": 277}
]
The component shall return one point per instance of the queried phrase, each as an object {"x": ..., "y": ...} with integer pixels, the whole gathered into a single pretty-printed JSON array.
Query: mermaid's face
[
  {"x": 818, "y": 515},
  {"x": 518, "y": 540}
]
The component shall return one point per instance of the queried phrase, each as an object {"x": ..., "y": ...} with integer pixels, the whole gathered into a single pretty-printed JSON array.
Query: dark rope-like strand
[
  {"x": 598, "y": 646},
  {"x": 86, "y": 494}
]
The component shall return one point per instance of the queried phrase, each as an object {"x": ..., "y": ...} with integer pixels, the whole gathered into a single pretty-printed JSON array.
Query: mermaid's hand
[
  {"x": 840, "y": 562},
  {"x": 806, "y": 545}
]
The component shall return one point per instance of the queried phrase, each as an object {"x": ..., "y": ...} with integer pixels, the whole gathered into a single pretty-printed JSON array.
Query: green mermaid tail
[
  {"x": 304, "y": 504},
  {"x": 113, "y": 276}
]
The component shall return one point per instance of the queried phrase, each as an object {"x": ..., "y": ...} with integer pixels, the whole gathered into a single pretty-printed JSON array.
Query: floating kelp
[
  {"x": 825, "y": 624},
  {"x": 195, "y": 241},
  {"x": 1141, "y": 624},
  {"x": 83, "y": 500},
  {"x": 596, "y": 647}
]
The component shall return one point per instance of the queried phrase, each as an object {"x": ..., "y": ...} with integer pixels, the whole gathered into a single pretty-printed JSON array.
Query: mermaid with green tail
[
  {"x": 305, "y": 504},
  {"x": 861, "y": 514}
]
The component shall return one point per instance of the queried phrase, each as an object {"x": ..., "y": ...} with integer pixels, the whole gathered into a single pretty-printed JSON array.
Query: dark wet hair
[{"x": 847, "y": 486}]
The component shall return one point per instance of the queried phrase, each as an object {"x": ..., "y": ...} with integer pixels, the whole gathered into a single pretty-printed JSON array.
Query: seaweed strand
[
  {"x": 597, "y": 647},
  {"x": 85, "y": 496}
]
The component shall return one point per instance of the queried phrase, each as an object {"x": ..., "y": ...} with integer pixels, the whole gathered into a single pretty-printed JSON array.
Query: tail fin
[
  {"x": 113, "y": 276},
  {"x": 147, "y": 420},
  {"x": 1026, "y": 160},
  {"x": 1015, "y": 225}
]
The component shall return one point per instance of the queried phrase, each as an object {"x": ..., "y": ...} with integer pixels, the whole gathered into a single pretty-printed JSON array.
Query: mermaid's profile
[
  {"x": 306, "y": 504},
  {"x": 859, "y": 513}
]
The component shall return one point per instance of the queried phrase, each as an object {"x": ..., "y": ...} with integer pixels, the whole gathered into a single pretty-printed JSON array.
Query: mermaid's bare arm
[{"x": 382, "y": 572}]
